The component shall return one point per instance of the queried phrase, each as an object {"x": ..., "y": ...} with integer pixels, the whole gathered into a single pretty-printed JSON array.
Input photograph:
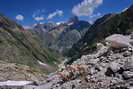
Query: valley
[{"x": 70, "y": 54}]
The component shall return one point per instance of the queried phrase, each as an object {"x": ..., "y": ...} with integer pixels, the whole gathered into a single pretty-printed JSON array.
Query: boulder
[
  {"x": 119, "y": 41},
  {"x": 114, "y": 66},
  {"x": 127, "y": 74}
]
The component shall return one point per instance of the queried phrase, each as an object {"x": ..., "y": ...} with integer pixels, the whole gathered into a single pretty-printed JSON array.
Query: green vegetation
[{"x": 23, "y": 47}]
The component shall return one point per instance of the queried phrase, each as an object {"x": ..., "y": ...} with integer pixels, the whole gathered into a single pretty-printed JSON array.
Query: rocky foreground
[{"x": 110, "y": 67}]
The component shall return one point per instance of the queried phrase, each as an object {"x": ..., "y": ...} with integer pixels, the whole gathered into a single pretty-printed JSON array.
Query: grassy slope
[{"x": 19, "y": 46}]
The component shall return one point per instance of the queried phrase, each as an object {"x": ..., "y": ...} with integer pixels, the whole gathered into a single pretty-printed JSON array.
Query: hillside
[
  {"x": 121, "y": 23},
  {"x": 20, "y": 46},
  {"x": 18, "y": 72}
]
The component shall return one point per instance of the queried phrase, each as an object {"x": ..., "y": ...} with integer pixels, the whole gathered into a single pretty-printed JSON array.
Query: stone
[
  {"x": 127, "y": 74},
  {"x": 114, "y": 66},
  {"x": 119, "y": 41},
  {"x": 130, "y": 87}
]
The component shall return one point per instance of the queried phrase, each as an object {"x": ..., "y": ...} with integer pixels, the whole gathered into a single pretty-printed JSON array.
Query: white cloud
[
  {"x": 38, "y": 15},
  {"x": 20, "y": 17},
  {"x": 39, "y": 18},
  {"x": 95, "y": 15},
  {"x": 86, "y": 7},
  {"x": 56, "y": 13}
]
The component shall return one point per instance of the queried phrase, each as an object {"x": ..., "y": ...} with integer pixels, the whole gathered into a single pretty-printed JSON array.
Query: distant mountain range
[{"x": 61, "y": 36}]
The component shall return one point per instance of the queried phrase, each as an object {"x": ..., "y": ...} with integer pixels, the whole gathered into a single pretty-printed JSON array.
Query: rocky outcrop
[{"x": 107, "y": 68}]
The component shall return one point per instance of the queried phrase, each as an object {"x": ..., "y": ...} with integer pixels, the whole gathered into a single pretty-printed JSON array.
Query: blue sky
[{"x": 27, "y": 12}]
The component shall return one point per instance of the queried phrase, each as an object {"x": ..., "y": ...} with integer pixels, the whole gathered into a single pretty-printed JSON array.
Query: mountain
[
  {"x": 121, "y": 23},
  {"x": 107, "y": 68},
  {"x": 42, "y": 30},
  {"x": 71, "y": 33},
  {"x": 18, "y": 45},
  {"x": 62, "y": 36}
]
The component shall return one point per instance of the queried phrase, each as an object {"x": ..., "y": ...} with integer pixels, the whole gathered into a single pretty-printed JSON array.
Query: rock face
[
  {"x": 42, "y": 30},
  {"x": 66, "y": 41},
  {"x": 107, "y": 68},
  {"x": 109, "y": 24}
]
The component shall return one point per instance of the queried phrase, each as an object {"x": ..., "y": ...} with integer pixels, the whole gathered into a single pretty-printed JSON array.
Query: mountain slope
[
  {"x": 107, "y": 68},
  {"x": 121, "y": 23},
  {"x": 18, "y": 72},
  {"x": 20, "y": 46}
]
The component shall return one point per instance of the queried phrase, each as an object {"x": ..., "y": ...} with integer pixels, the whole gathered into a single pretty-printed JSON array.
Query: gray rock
[
  {"x": 119, "y": 41},
  {"x": 130, "y": 87},
  {"x": 128, "y": 74},
  {"x": 115, "y": 66}
]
